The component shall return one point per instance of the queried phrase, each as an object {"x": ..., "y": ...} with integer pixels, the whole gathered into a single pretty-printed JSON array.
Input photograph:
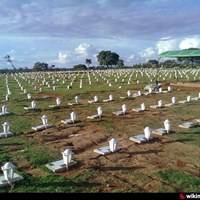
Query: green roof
[{"x": 181, "y": 53}]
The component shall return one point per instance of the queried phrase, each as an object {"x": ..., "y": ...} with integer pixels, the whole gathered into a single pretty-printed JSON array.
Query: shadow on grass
[
  {"x": 178, "y": 140},
  {"x": 125, "y": 151},
  {"x": 12, "y": 144},
  {"x": 54, "y": 183},
  {"x": 115, "y": 168},
  {"x": 141, "y": 152}
]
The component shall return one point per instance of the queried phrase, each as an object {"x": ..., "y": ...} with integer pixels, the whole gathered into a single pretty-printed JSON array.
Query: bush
[{"x": 80, "y": 67}]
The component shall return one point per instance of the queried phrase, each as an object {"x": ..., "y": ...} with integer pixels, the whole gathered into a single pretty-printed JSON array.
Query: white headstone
[
  {"x": 58, "y": 101},
  {"x": 67, "y": 157},
  {"x": 110, "y": 97},
  {"x": 8, "y": 171},
  {"x": 99, "y": 111},
  {"x": 124, "y": 108},
  {"x": 7, "y": 97},
  {"x": 169, "y": 89},
  {"x": 142, "y": 106},
  {"x": 95, "y": 98},
  {"x": 147, "y": 133},
  {"x": 4, "y": 109},
  {"x": 44, "y": 120},
  {"x": 77, "y": 100},
  {"x": 6, "y": 127},
  {"x": 160, "y": 103},
  {"x": 33, "y": 104},
  {"x": 167, "y": 125},
  {"x": 129, "y": 93},
  {"x": 173, "y": 100},
  {"x": 188, "y": 98},
  {"x": 113, "y": 145},
  {"x": 28, "y": 96},
  {"x": 73, "y": 116}
]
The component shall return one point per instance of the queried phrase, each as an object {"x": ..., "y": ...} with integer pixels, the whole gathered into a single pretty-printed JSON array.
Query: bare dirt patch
[
  {"x": 77, "y": 138},
  {"x": 186, "y": 84},
  {"x": 132, "y": 167},
  {"x": 46, "y": 95}
]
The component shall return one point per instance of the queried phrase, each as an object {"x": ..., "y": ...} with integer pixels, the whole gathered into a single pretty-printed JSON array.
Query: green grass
[
  {"x": 37, "y": 155},
  {"x": 190, "y": 137},
  {"x": 55, "y": 183},
  {"x": 20, "y": 148},
  {"x": 184, "y": 182},
  {"x": 4, "y": 157}
]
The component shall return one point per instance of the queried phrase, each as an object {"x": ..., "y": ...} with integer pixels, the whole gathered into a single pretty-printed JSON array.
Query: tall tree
[
  {"x": 88, "y": 62},
  {"x": 39, "y": 66},
  {"x": 107, "y": 58},
  {"x": 120, "y": 63},
  {"x": 9, "y": 60}
]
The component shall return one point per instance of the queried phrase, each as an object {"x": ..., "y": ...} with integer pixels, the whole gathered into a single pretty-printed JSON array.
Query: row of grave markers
[
  {"x": 116, "y": 76},
  {"x": 10, "y": 176}
]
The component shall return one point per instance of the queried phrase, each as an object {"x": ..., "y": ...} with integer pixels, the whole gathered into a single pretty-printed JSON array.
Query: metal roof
[{"x": 181, "y": 53}]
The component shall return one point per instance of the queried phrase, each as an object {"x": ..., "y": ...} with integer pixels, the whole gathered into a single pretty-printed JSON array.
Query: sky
[{"x": 66, "y": 32}]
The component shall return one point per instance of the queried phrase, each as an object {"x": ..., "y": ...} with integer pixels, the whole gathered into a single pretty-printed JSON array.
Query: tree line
[{"x": 107, "y": 60}]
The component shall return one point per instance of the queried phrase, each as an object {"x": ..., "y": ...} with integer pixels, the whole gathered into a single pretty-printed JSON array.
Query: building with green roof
[{"x": 192, "y": 55}]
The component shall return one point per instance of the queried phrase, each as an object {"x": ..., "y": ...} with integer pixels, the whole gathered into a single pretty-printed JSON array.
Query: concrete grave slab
[
  {"x": 41, "y": 127},
  {"x": 139, "y": 139},
  {"x": 190, "y": 124},
  {"x": 16, "y": 178},
  {"x": 59, "y": 166},
  {"x": 104, "y": 150},
  {"x": 137, "y": 110},
  {"x": 159, "y": 131},
  {"x": 8, "y": 134},
  {"x": 93, "y": 117},
  {"x": 4, "y": 114}
]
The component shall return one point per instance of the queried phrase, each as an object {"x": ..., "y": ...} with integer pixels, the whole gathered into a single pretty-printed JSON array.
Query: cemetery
[
  {"x": 128, "y": 144},
  {"x": 100, "y": 97}
]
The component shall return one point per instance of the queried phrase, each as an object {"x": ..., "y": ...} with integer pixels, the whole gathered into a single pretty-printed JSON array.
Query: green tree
[
  {"x": 153, "y": 63},
  {"x": 88, "y": 62},
  {"x": 107, "y": 58},
  {"x": 120, "y": 63},
  {"x": 80, "y": 67},
  {"x": 40, "y": 66}
]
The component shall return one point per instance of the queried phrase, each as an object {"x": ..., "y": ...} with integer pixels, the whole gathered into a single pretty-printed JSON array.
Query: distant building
[{"x": 191, "y": 55}]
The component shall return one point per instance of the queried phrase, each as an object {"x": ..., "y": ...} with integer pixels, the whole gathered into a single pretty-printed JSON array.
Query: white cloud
[
  {"x": 166, "y": 45},
  {"x": 148, "y": 53},
  {"x": 95, "y": 57},
  {"x": 82, "y": 49},
  {"x": 165, "y": 38},
  {"x": 131, "y": 58},
  {"x": 192, "y": 42},
  {"x": 62, "y": 58}
]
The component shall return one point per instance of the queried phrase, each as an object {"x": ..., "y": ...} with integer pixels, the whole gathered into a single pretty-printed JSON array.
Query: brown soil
[
  {"x": 121, "y": 170},
  {"x": 132, "y": 168},
  {"x": 185, "y": 84},
  {"x": 46, "y": 95}
]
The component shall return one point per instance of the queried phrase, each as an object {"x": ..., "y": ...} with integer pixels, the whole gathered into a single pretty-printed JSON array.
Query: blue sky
[{"x": 65, "y": 32}]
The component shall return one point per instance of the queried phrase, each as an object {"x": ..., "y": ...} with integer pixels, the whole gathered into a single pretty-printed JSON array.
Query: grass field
[{"x": 169, "y": 164}]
